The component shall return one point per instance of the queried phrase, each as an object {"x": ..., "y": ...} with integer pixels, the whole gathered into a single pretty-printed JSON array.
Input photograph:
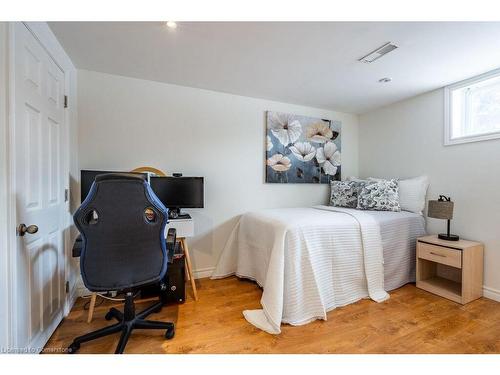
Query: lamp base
[{"x": 448, "y": 237}]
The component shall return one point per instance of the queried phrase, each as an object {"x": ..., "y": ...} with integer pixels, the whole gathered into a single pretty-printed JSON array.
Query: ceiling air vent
[{"x": 378, "y": 53}]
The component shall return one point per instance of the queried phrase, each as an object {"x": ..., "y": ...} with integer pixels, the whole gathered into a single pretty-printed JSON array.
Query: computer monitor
[
  {"x": 87, "y": 177},
  {"x": 179, "y": 192}
]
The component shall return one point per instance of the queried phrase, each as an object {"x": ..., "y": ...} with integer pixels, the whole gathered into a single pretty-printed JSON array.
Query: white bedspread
[{"x": 308, "y": 261}]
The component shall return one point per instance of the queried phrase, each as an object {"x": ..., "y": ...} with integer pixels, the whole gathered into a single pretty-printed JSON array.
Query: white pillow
[{"x": 412, "y": 193}]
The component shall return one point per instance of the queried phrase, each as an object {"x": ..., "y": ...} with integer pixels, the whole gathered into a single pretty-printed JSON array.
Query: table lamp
[{"x": 443, "y": 209}]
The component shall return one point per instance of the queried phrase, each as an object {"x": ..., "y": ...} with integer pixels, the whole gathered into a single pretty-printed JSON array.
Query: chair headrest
[{"x": 121, "y": 176}]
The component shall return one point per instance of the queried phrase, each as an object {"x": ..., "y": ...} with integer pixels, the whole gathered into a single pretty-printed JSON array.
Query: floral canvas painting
[{"x": 302, "y": 149}]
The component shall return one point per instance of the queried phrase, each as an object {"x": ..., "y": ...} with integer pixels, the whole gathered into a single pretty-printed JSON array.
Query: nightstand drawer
[{"x": 440, "y": 254}]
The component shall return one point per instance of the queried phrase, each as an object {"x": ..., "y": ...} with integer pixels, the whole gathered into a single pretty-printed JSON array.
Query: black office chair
[{"x": 122, "y": 225}]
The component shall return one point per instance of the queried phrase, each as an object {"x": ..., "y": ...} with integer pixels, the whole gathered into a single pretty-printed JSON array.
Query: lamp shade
[{"x": 440, "y": 209}]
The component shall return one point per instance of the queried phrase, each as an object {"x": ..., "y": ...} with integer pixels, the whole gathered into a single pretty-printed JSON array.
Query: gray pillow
[
  {"x": 345, "y": 193},
  {"x": 380, "y": 195}
]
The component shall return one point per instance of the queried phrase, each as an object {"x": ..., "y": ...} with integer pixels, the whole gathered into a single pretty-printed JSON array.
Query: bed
[{"x": 311, "y": 260}]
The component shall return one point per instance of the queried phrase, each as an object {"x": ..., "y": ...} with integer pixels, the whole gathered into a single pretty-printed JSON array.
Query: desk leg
[
  {"x": 189, "y": 268},
  {"x": 91, "y": 307}
]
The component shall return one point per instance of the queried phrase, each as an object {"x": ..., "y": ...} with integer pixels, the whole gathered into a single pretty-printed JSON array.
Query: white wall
[
  {"x": 406, "y": 139},
  {"x": 125, "y": 123}
]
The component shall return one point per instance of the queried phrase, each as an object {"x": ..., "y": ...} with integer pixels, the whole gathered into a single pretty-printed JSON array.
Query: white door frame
[
  {"x": 46, "y": 38},
  {"x": 4, "y": 255}
]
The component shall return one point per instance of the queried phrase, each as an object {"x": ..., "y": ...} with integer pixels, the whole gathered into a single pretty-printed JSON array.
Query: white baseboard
[
  {"x": 491, "y": 293},
  {"x": 79, "y": 290},
  {"x": 203, "y": 272}
]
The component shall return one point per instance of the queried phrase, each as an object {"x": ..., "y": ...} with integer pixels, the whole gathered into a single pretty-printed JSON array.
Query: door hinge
[
  {"x": 66, "y": 195},
  {"x": 67, "y": 286},
  {"x": 65, "y": 101}
]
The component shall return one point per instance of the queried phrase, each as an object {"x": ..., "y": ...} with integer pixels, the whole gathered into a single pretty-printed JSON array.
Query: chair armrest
[
  {"x": 171, "y": 240},
  {"x": 77, "y": 247}
]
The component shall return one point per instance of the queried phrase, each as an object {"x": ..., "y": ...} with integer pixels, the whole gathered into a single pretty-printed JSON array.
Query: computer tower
[
  {"x": 174, "y": 282},
  {"x": 172, "y": 289}
]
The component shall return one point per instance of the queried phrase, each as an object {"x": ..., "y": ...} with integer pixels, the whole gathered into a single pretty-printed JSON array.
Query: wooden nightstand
[{"x": 450, "y": 269}]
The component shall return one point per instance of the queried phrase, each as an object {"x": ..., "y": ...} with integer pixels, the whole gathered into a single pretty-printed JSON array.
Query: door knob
[{"x": 22, "y": 229}]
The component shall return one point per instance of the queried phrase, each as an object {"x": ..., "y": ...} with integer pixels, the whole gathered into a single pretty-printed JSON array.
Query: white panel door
[{"x": 39, "y": 140}]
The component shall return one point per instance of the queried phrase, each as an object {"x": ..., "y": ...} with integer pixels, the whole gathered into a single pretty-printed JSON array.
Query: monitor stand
[{"x": 176, "y": 214}]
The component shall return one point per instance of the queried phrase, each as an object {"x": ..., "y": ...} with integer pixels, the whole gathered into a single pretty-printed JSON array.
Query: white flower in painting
[
  {"x": 279, "y": 163},
  {"x": 284, "y": 128},
  {"x": 329, "y": 157},
  {"x": 303, "y": 151},
  {"x": 319, "y": 132},
  {"x": 269, "y": 146}
]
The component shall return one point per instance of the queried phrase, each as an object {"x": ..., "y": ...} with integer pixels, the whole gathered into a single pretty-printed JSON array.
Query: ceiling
[{"x": 308, "y": 63}]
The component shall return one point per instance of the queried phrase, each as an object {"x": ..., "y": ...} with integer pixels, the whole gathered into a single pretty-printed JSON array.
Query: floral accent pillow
[
  {"x": 381, "y": 195},
  {"x": 345, "y": 193}
]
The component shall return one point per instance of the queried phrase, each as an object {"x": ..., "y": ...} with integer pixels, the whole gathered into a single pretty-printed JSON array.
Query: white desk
[{"x": 185, "y": 229}]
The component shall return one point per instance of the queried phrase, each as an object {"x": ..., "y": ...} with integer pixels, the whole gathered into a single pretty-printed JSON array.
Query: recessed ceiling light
[
  {"x": 171, "y": 24},
  {"x": 385, "y": 80}
]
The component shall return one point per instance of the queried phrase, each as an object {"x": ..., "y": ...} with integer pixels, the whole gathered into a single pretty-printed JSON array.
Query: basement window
[{"x": 472, "y": 109}]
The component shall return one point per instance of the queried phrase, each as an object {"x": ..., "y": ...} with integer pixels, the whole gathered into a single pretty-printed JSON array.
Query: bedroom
[{"x": 298, "y": 173}]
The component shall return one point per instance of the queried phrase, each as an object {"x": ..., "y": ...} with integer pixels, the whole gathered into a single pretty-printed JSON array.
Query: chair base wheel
[
  {"x": 170, "y": 333},
  {"x": 73, "y": 348},
  {"x": 108, "y": 316},
  {"x": 128, "y": 320}
]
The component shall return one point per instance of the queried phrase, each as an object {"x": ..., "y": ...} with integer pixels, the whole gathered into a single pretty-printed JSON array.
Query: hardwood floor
[{"x": 411, "y": 321}]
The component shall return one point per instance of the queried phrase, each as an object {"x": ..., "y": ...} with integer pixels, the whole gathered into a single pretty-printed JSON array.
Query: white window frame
[{"x": 448, "y": 110}]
